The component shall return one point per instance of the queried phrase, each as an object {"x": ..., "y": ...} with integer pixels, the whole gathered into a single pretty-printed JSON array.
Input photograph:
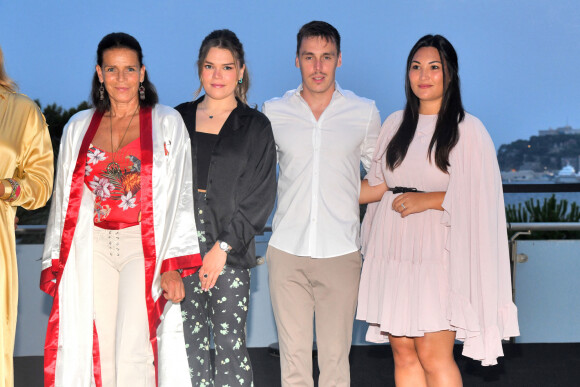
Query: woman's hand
[
  {"x": 213, "y": 264},
  {"x": 414, "y": 202},
  {"x": 172, "y": 286}
]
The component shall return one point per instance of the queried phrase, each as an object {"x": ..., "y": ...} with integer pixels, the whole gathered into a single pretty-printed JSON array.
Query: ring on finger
[
  {"x": 205, "y": 275},
  {"x": 402, "y": 205}
]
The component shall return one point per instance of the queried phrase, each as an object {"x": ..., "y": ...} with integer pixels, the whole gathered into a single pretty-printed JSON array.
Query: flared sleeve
[
  {"x": 31, "y": 185},
  {"x": 480, "y": 303},
  {"x": 71, "y": 137},
  {"x": 176, "y": 243}
]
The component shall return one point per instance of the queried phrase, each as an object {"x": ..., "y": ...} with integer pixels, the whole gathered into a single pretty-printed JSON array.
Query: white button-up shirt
[{"x": 317, "y": 213}]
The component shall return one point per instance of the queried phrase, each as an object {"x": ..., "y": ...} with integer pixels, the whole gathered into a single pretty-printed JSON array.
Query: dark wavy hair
[
  {"x": 227, "y": 40},
  {"x": 318, "y": 29},
  {"x": 120, "y": 40},
  {"x": 450, "y": 114}
]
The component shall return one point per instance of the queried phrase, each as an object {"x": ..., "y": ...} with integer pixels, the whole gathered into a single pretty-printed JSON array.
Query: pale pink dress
[{"x": 439, "y": 270}]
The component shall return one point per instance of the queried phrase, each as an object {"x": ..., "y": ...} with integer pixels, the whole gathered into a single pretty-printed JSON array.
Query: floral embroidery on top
[{"x": 116, "y": 184}]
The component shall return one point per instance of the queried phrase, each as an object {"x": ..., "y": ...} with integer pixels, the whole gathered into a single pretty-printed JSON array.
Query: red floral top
[{"x": 116, "y": 185}]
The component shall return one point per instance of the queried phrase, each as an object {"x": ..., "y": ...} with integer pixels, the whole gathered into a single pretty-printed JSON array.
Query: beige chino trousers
[{"x": 302, "y": 288}]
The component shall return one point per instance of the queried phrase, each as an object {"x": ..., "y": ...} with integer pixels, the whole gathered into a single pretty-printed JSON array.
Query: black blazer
[{"x": 241, "y": 184}]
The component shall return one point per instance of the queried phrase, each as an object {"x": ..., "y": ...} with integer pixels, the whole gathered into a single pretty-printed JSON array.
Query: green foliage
[
  {"x": 550, "y": 210},
  {"x": 56, "y": 118}
]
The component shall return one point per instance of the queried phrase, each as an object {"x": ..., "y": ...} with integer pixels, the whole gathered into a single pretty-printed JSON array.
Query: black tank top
[{"x": 205, "y": 145}]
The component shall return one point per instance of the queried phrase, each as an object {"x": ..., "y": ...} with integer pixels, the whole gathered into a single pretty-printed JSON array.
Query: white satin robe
[{"x": 169, "y": 242}]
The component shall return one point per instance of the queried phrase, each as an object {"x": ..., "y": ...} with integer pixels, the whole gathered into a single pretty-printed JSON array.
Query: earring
[
  {"x": 240, "y": 81},
  {"x": 101, "y": 92},
  {"x": 141, "y": 91}
]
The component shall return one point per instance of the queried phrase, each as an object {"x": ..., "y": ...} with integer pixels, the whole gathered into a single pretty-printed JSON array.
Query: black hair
[
  {"x": 451, "y": 112},
  {"x": 318, "y": 29},
  {"x": 227, "y": 40},
  {"x": 120, "y": 40}
]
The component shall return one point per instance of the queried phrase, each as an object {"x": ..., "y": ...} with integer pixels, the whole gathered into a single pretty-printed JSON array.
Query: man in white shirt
[{"x": 322, "y": 134}]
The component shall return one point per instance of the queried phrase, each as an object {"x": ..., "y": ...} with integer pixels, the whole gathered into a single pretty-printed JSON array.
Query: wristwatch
[{"x": 223, "y": 245}]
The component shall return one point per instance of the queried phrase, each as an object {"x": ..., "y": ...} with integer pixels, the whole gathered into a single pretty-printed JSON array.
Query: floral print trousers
[
  {"x": 219, "y": 314},
  {"x": 221, "y": 311}
]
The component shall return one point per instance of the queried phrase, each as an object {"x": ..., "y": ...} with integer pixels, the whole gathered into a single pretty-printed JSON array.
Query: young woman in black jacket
[{"x": 234, "y": 177}]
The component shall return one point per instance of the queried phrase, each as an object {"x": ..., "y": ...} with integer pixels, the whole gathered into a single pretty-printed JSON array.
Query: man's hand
[{"x": 172, "y": 286}]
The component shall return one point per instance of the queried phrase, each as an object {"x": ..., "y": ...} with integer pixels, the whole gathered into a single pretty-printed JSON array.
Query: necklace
[
  {"x": 114, "y": 166},
  {"x": 211, "y": 116},
  {"x": 204, "y": 109}
]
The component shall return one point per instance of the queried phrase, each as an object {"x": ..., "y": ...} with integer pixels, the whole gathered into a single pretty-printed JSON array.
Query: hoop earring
[
  {"x": 141, "y": 91},
  {"x": 101, "y": 92}
]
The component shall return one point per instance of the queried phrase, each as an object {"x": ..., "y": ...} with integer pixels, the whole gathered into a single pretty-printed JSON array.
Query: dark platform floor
[{"x": 542, "y": 365}]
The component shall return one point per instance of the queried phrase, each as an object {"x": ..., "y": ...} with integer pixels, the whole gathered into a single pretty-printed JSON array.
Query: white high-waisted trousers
[{"x": 120, "y": 310}]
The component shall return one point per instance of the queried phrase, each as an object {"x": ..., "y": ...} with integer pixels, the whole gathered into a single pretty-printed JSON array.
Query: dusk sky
[{"x": 519, "y": 60}]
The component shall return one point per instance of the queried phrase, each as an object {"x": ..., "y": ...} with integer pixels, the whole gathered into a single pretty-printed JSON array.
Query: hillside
[{"x": 540, "y": 153}]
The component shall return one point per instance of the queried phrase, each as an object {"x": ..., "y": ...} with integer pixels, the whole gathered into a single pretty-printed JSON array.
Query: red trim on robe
[
  {"x": 72, "y": 213},
  {"x": 96, "y": 358},
  {"x": 48, "y": 278},
  {"x": 147, "y": 229},
  {"x": 191, "y": 263}
]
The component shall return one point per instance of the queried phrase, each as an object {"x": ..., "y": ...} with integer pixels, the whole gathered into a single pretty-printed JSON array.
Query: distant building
[
  {"x": 562, "y": 130},
  {"x": 518, "y": 176},
  {"x": 572, "y": 161}
]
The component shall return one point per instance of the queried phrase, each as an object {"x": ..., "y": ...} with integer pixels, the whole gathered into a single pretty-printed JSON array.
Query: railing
[
  {"x": 30, "y": 229},
  {"x": 526, "y": 229},
  {"x": 519, "y": 228},
  {"x": 549, "y": 187}
]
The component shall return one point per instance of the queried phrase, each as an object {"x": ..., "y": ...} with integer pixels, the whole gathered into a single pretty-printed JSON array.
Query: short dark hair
[
  {"x": 318, "y": 29},
  {"x": 450, "y": 114},
  {"x": 120, "y": 40},
  {"x": 227, "y": 40}
]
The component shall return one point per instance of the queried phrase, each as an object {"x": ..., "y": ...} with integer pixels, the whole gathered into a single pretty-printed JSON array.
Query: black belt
[{"x": 398, "y": 190}]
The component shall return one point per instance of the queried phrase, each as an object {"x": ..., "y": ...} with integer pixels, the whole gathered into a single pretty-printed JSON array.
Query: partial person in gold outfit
[{"x": 26, "y": 170}]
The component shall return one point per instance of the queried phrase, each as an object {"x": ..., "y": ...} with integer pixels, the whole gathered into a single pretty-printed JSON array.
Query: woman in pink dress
[{"x": 436, "y": 263}]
